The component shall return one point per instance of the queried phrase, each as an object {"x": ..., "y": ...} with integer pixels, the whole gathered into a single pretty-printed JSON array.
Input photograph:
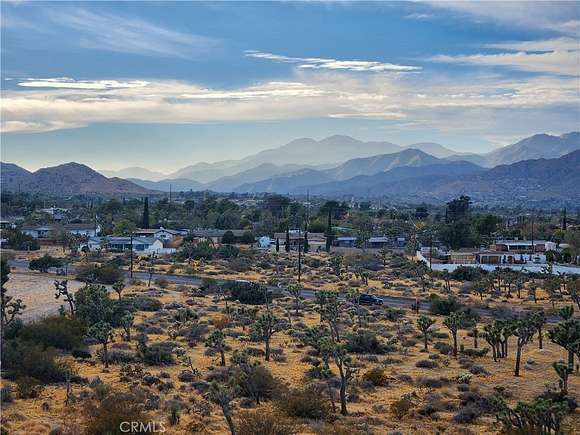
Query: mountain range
[
  {"x": 424, "y": 170},
  {"x": 64, "y": 180}
]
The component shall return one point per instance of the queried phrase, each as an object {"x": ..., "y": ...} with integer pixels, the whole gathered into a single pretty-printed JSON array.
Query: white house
[
  {"x": 46, "y": 231},
  {"x": 141, "y": 245},
  {"x": 157, "y": 233}
]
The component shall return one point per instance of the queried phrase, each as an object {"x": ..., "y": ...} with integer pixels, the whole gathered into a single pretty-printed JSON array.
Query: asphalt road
[{"x": 308, "y": 293}]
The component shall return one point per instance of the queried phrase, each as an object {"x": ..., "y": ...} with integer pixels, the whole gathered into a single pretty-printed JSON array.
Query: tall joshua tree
[
  {"x": 424, "y": 323},
  {"x": 287, "y": 247}
]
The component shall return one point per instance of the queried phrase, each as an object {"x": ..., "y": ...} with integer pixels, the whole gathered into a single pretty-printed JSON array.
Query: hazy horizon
[{"x": 166, "y": 85}]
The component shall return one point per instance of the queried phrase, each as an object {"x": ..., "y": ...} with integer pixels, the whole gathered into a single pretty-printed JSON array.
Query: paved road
[{"x": 308, "y": 293}]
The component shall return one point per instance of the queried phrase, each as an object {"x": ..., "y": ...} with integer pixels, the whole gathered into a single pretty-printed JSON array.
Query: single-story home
[
  {"x": 463, "y": 256},
  {"x": 344, "y": 242},
  {"x": 297, "y": 237},
  {"x": 378, "y": 242},
  {"x": 47, "y": 231},
  {"x": 157, "y": 233},
  {"x": 140, "y": 245},
  {"x": 523, "y": 246}
]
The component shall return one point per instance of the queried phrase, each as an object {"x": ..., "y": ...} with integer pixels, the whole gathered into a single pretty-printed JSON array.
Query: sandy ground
[{"x": 37, "y": 292}]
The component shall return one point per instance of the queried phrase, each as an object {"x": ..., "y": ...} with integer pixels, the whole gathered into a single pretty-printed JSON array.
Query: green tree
[
  {"x": 93, "y": 305},
  {"x": 217, "y": 341},
  {"x": 454, "y": 322},
  {"x": 295, "y": 291},
  {"x": 265, "y": 326},
  {"x": 10, "y": 308},
  {"x": 103, "y": 333},
  {"x": 44, "y": 263},
  {"x": 228, "y": 238},
  {"x": 222, "y": 394},
  {"x": 424, "y": 323},
  {"x": 524, "y": 330},
  {"x": 339, "y": 354},
  {"x": 127, "y": 323},
  {"x": 145, "y": 218},
  {"x": 124, "y": 227},
  {"x": 567, "y": 335}
]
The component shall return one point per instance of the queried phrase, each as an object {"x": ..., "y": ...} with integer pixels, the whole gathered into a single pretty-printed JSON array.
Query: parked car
[{"x": 366, "y": 299}]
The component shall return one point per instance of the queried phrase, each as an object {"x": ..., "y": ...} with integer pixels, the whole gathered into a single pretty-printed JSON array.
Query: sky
[{"x": 163, "y": 85}]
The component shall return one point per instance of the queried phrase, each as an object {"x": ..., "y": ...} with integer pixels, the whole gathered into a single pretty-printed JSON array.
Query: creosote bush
[
  {"x": 58, "y": 331},
  {"x": 377, "y": 377},
  {"x": 265, "y": 422},
  {"x": 309, "y": 402}
]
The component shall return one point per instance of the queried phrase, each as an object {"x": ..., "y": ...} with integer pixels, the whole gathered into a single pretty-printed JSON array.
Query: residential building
[
  {"x": 48, "y": 231},
  {"x": 463, "y": 256},
  {"x": 344, "y": 242},
  {"x": 158, "y": 233}
]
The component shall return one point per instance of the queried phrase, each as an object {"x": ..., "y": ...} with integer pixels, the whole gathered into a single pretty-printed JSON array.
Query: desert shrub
[
  {"x": 248, "y": 292},
  {"x": 401, "y": 407},
  {"x": 443, "y": 306},
  {"x": 16, "y": 239},
  {"x": 228, "y": 252},
  {"x": 145, "y": 303},
  {"x": 377, "y": 377},
  {"x": 81, "y": 353},
  {"x": 159, "y": 353},
  {"x": 429, "y": 382},
  {"x": 463, "y": 273},
  {"x": 162, "y": 282},
  {"x": 106, "y": 415},
  {"x": 443, "y": 348},
  {"x": 478, "y": 370},
  {"x": 467, "y": 415},
  {"x": 92, "y": 273},
  {"x": 257, "y": 382},
  {"x": 476, "y": 352},
  {"x": 12, "y": 330},
  {"x": 120, "y": 356},
  {"x": 265, "y": 422},
  {"x": 28, "y": 388},
  {"x": 58, "y": 331},
  {"x": 6, "y": 394},
  {"x": 44, "y": 263},
  {"x": 309, "y": 402},
  {"x": 364, "y": 342},
  {"x": 23, "y": 359},
  {"x": 426, "y": 364}
]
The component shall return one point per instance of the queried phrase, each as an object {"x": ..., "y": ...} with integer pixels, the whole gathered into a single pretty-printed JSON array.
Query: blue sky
[{"x": 164, "y": 85}]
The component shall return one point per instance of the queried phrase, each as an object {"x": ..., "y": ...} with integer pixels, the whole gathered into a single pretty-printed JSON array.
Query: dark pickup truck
[{"x": 366, "y": 299}]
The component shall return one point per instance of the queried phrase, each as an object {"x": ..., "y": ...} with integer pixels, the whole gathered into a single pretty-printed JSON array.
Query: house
[
  {"x": 463, "y": 256},
  {"x": 215, "y": 235},
  {"x": 158, "y": 233},
  {"x": 344, "y": 242},
  {"x": 506, "y": 257},
  {"x": 523, "y": 246},
  {"x": 297, "y": 238},
  {"x": 378, "y": 242},
  {"x": 39, "y": 231},
  {"x": 140, "y": 245},
  {"x": 92, "y": 244},
  {"x": 265, "y": 242},
  {"x": 48, "y": 231}
]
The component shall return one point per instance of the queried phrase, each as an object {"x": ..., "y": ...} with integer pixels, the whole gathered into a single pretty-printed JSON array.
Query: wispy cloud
[
  {"x": 469, "y": 104},
  {"x": 334, "y": 64},
  {"x": 420, "y": 16},
  {"x": 560, "y": 56},
  {"x": 106, "y": 31},
  {"x": 555, "y": 16},
  {"x": 68, "y": 83}
]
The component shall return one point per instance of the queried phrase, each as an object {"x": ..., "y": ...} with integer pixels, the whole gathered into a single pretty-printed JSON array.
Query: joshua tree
[
  {"x": 102, "y": 332},
  {"x": 539, "y": 319},
  {"x": 222, "y": 394},
  {"x": 127, "y": 322},
  {"x": 354, "y": 297},
  {"x": 217, "y": 341},
  {"x": 9, "y": 309},
  {"x": 567, "y": 334},
  {"x": 338, "y": 353},
  {"x": 331, "y": 311},
  {"x": 118, "y": 287},
  {"x": 61, "y": 288},
  {"x": 263, "y": 328},
  {"x": 524, "y": 330},
  {"x": 454, "y": 322},
  {"x": 336, "y": 264},
  {"x": 384, "y": 256},
  {"x": 295, "y": 290},
  {"x": 287, "y": 247},
  {"x": 563, "y": 371},
  {"x": 424, "y": 323}
]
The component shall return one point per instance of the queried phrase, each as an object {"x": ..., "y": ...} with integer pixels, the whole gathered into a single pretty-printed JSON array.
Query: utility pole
[
  {"x": 299, "y": 255},
  {"x": 169, "y": 193},
  {"x": 533, "y": 251},
  {"x": 131, "y": 271},
  {"x": 430, "y": 249}
]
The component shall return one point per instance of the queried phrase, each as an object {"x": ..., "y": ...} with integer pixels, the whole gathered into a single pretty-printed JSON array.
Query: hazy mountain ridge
[
  {"x": 66, "y": 179},
  {"x": 134, "y": 172}
]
